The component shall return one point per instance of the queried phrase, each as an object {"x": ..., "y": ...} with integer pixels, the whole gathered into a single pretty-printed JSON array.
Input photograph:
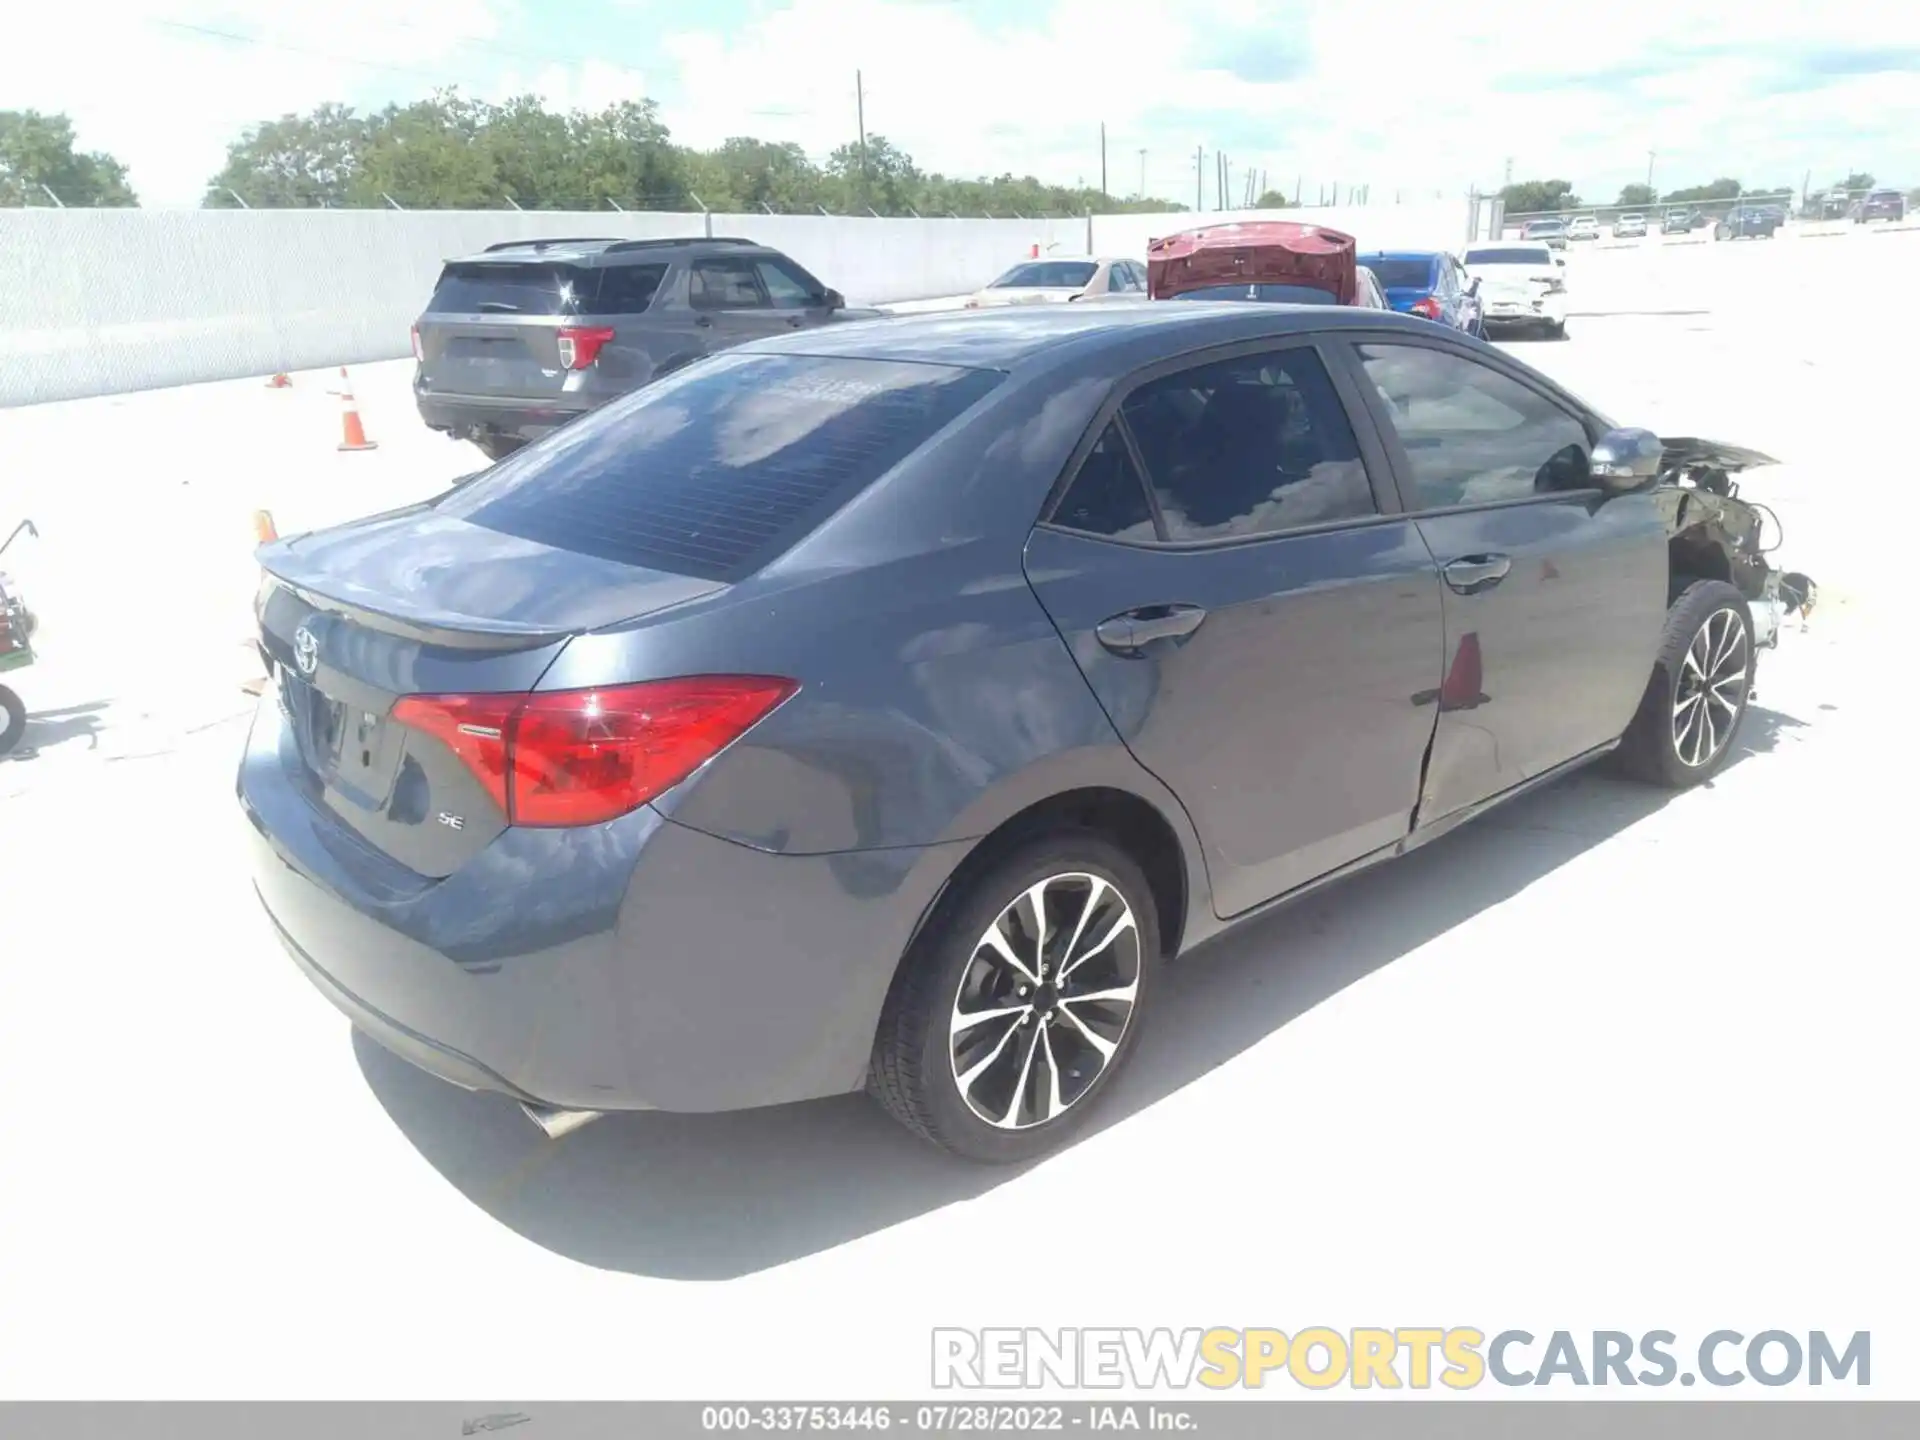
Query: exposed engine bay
[{"x": 1715, "y": 534}]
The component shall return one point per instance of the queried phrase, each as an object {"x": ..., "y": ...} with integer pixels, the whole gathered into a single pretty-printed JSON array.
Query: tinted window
[
  {"x": 1250, "y": 445},
  {"x": 1106, "y": 497},
  {"x": 1047, "y": 275},
  {"x": 719, "y": 468},
  {"x": 1402, "y": 274},
  {"x": 1272, "y": 294},
  {"x": 1472, "y": 435},
  {"x": 628, "y": 289},
  {"x": 788, "y": 289},
  {"x": 726, "y": 285},
  {"x": 509, "y": 289}
]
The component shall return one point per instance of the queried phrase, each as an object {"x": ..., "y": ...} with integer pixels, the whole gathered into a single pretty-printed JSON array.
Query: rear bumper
[
  {"x": 465, "y": 416},
  {"x": 636, "y": 965}
]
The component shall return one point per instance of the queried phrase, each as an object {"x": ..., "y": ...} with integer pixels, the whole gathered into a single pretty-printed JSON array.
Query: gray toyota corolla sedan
[{"x": 877, "y": 707}]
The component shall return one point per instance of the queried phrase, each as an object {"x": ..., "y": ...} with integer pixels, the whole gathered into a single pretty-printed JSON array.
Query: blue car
[{"x": 1430, "y": 284}]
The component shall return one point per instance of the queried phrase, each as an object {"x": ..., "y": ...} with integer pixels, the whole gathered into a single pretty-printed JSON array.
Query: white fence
[{"x": 102, "y": 301}]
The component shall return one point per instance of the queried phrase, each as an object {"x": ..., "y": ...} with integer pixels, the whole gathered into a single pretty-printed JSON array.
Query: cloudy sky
[{"x": 1400, "y": 94}]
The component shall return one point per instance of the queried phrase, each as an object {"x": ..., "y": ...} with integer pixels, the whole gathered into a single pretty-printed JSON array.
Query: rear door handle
[
  {"x": 1471, "y": 574},
  {"x": 1127, "y": 632}
]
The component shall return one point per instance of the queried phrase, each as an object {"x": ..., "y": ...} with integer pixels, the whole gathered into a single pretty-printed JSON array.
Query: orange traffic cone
[
  {"x": 280, "y": 380},
  {"x": 353, "y": 435},
  {"x": 1033, "y": 251},
  {"x": 264, "y": 530}
]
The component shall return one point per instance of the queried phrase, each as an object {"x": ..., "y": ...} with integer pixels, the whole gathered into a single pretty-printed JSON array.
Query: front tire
[
  {"x": 1020, "y": 1000},
  {"x": 13, "y": 721},
  {"x": 1697, "y": 696}
]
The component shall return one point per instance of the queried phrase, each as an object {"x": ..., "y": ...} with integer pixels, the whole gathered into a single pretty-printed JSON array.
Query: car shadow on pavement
[
  {"x": 63, "y": 725},
  {"x": 709, "y": 1197}
]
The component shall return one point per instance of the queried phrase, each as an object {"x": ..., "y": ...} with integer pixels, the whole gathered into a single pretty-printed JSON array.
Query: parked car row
[{"x": 831, "y": 707}]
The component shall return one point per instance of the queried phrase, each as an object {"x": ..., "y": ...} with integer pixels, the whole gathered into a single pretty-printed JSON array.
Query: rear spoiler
[{"x": 1687, "y": 452}]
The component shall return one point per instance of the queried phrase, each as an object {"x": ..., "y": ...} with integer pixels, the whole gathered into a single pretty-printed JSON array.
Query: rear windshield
[
  {"x": 1510, "y": 255},
  {"x": 1047, "y": 275},
  {"x": 716, "y": 470},
  {"x": 1545, "y": 227},
  {"x": 480, "y": 287},
  {"x": 1271, "y": 294},
  {"x": 1402, "y": 274}
]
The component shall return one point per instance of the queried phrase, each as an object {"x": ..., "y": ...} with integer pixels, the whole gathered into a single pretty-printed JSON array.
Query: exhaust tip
[{"x": 556, "y": 1122}]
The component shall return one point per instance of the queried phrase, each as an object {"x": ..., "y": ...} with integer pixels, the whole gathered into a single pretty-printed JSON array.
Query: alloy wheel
[
  {"x": 1045, "y": 1001},
  {"x": 1711, "y": 689}
]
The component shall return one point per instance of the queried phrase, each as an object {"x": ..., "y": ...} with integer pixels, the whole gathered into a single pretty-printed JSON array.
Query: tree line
[
  {"x": 1534, "y": 197},
  {"x": 450, "y": 152}
]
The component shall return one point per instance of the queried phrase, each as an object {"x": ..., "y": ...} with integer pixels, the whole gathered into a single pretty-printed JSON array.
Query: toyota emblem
[{"x": 306, "y": 651}]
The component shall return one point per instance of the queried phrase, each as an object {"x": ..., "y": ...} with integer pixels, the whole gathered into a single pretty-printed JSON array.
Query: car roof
[
  {"x": 606, "y": 249},
  {"x": 1401, "y": 255},
  {"x": 1011, "y": 338}
]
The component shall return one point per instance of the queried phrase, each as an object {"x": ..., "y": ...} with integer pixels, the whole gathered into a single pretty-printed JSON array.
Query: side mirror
[
  {"x": 1626, "y": 460},
  {"x": 1473, "y": 285},
  {"x": 834, "y": 300}
]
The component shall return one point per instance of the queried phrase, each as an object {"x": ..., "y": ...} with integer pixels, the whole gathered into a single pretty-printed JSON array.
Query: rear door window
[
  {"x": 1248, "y": 446},
  {"x": 507, "y": 288},
  {"x": 1472, "y": 435},
  {"x": 628, "y": 289},
  {"x": 727, "y": 285},
  {"x": 716, "y": 470}
]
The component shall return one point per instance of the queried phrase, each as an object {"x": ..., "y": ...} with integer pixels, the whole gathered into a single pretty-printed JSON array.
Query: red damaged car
[{"x": 1276, "y": 261}]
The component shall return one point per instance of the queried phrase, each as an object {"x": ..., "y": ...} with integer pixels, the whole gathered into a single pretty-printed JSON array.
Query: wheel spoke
[
  {"x": 998, "y": 943},
  {"x": 1011, "y": 1119},
  {"x": 1684, "y": 704},
  {"x": 1095, "y": 892},
  {"x": 967, "y": 1019},
  {"x": 1118, "y": 994},
  {"x": 1036, "y": 902},
  {"x": 979, "y": 1067},
  {"x": 1054, "y": 1105},
  {"x": 1123, "y": 924},
  {"x": 1099, "y": 1042}
]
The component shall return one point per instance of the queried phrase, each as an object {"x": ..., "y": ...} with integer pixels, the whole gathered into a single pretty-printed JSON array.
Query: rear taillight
[
  {"x": 419, "y": 350},
  {"x": 578, "y": 757},
  {"x": 1426, "y": 307},
  {"x": 580, "y": 344}
]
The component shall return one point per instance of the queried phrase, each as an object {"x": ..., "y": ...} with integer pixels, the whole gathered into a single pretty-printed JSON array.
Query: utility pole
[
  {"x": 1509, "y": 180},
  {"x": 1199, "y": 177},
  {"x": 1103, "y": 159},
  {"x": 1650, "y": 174},
  {"x": 1143, "y": 173},
  {"x": 860, "y": 117}
]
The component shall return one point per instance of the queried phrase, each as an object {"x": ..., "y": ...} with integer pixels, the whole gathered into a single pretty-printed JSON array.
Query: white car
[
  {"x": 1522, "y": 286},
  {"x": 1630, "y": 227},
  {"x": 1583, "y": 227},
  {"x": 1053, "y": 278}
]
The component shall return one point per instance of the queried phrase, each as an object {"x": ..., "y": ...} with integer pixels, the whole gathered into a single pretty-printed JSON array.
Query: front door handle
[
  {"x": 1471, "y": 574},
  {"x": 1129, "y": 631}
]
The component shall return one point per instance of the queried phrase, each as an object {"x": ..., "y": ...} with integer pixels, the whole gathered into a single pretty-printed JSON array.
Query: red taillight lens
[
  {"x": 419, "y": 351},
  {"x": 1427, "y": 308},
  {"x": 578, "y": 757},
  {"x": 580, "y": 344}
]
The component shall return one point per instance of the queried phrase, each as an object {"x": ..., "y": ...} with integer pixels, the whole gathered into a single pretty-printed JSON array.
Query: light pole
[
  {"x": 1650, "y": 195},
  {"x": 1143, "y": 173}
]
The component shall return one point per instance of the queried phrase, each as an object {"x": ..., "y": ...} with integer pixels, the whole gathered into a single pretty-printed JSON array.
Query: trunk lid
[
  {"x": 417, "y": 603},
  {"x": 1261, "y": 252}
]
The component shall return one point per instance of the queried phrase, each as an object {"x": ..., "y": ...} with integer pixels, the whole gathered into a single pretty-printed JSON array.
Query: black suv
[
  {"x": 528, "y": 334},
  {"x": 1881, "y": 205}
]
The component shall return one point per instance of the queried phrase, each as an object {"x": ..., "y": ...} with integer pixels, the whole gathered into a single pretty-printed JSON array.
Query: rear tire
[
  {"x": 13, "y": 721},
  {"x": 498, "y": 447},
  {"x": 975, "y": 1057},
  {"x": 1696, "y": 698}
]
